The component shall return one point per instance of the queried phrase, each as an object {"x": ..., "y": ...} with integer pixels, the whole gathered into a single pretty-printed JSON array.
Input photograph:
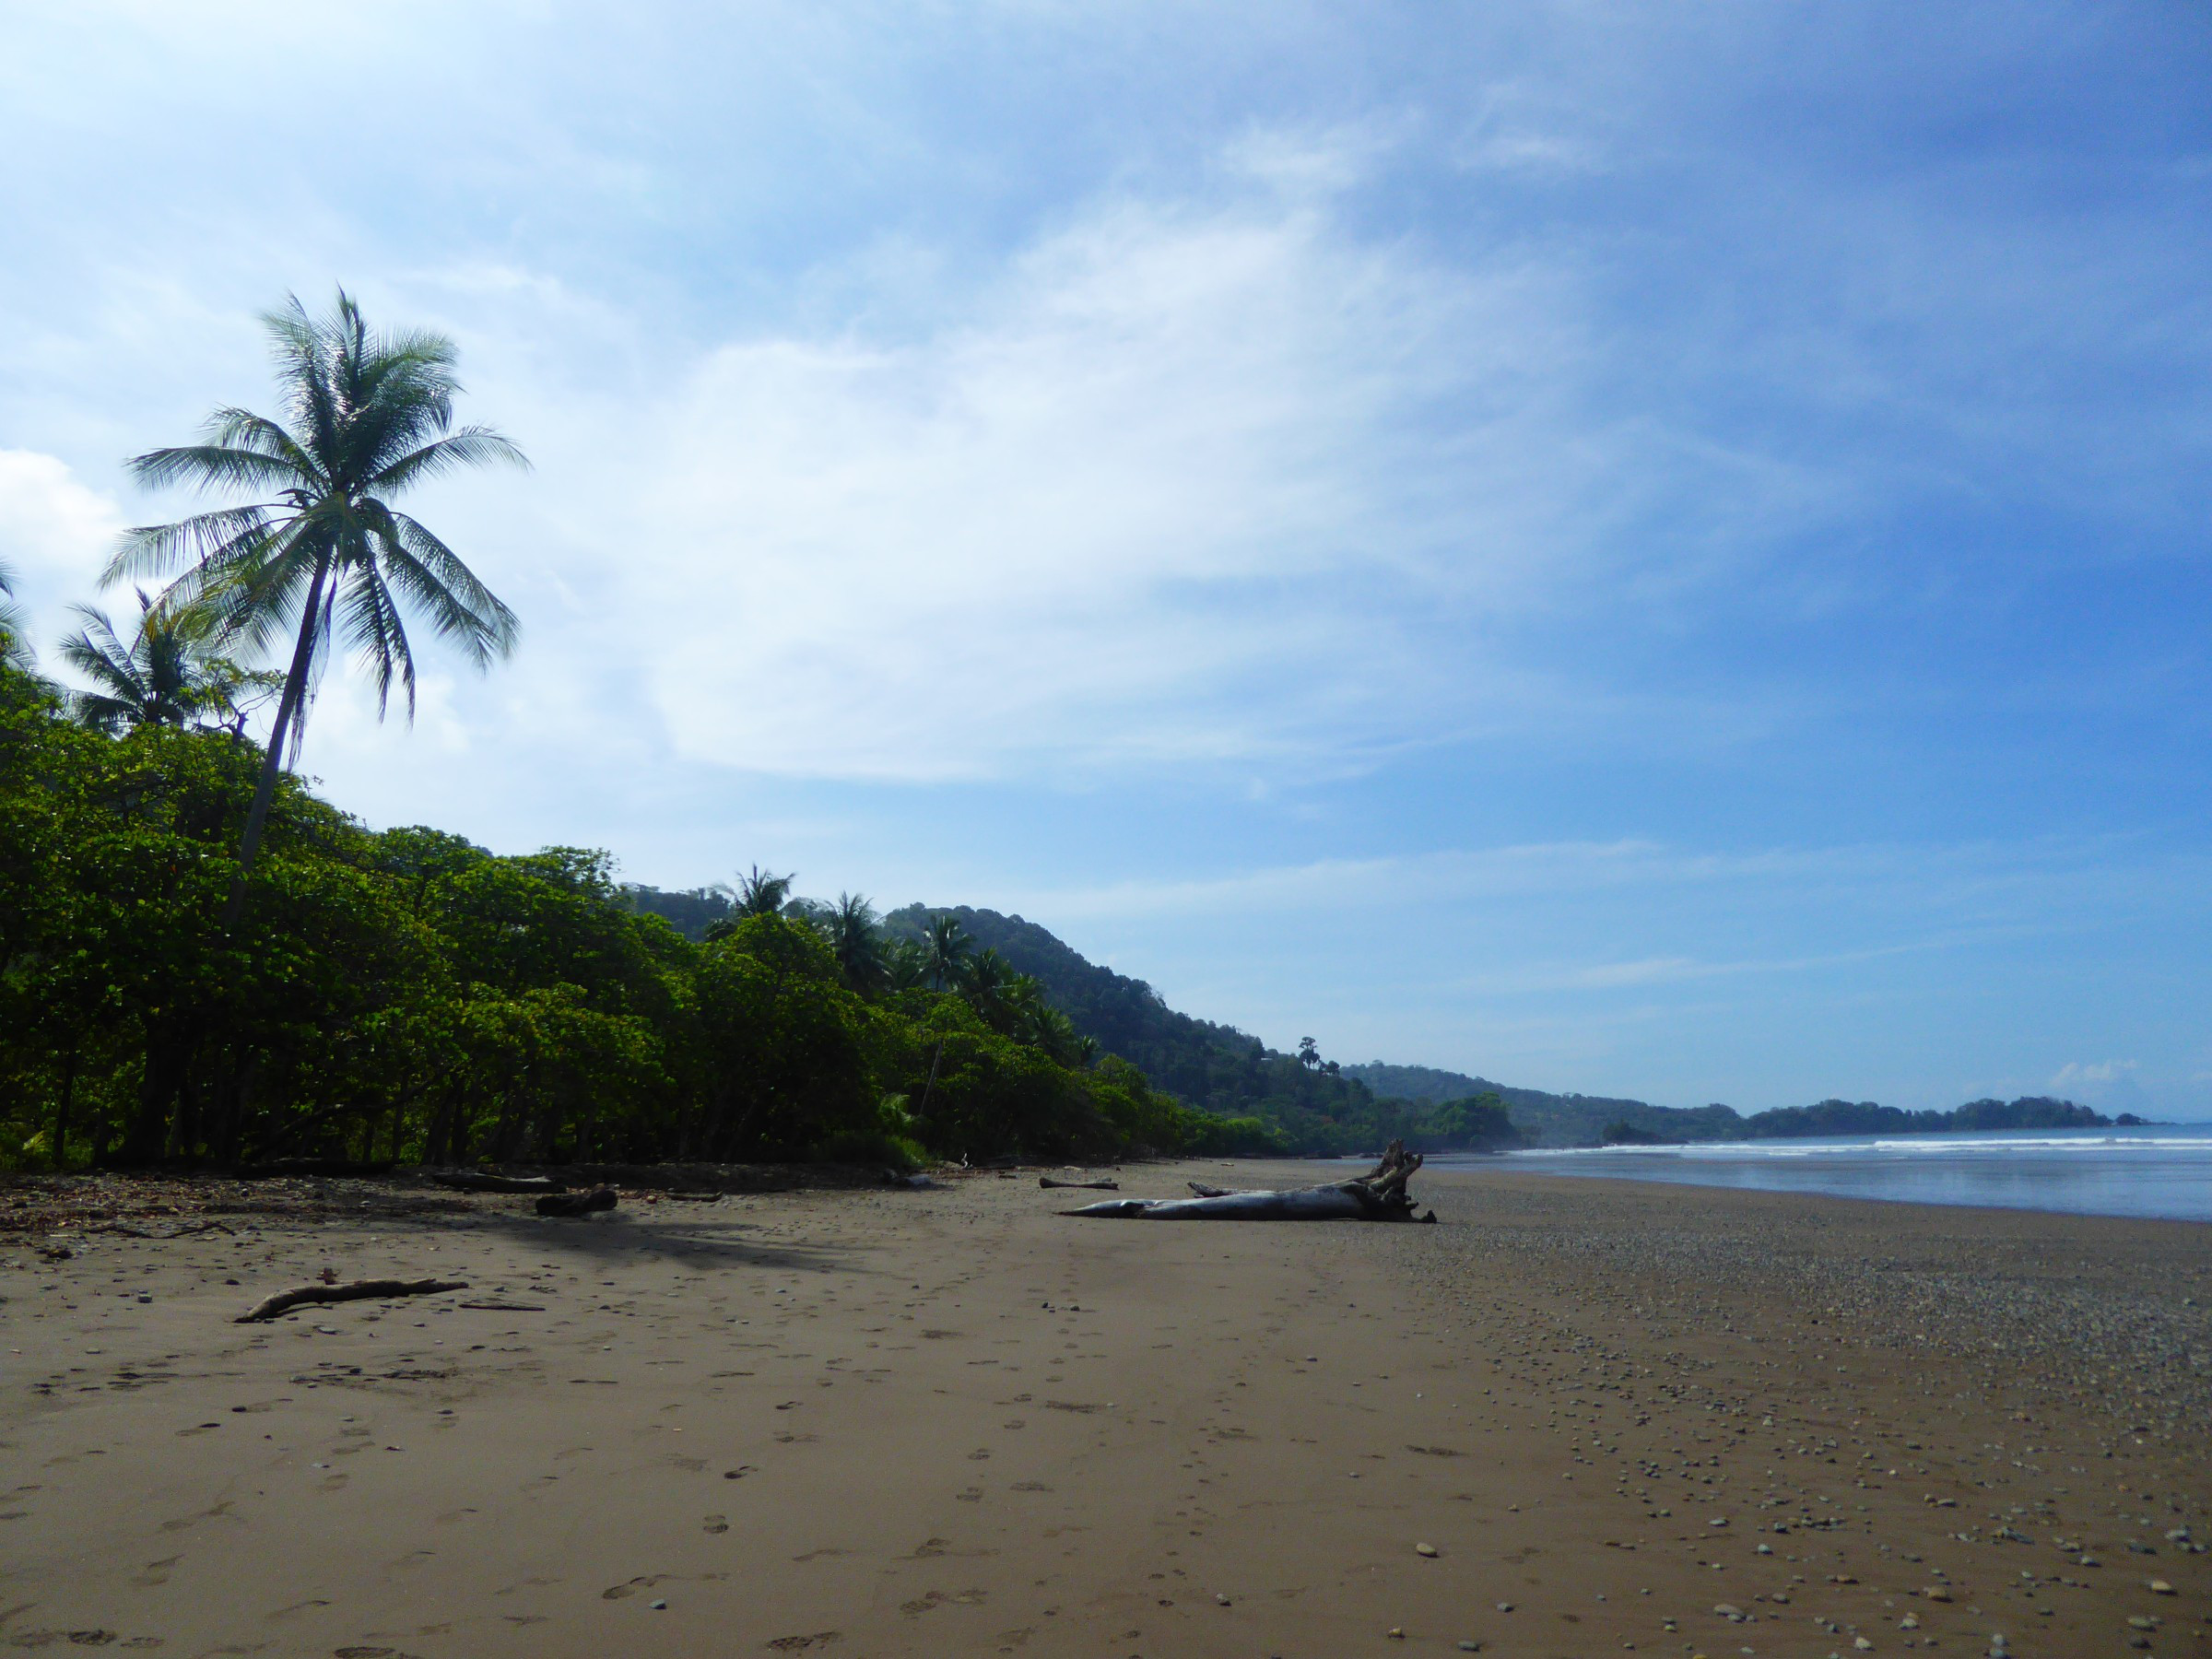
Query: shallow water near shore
[{"x": 2154, "y": 1171}]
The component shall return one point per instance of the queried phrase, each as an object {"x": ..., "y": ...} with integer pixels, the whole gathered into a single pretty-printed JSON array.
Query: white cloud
[{"x": 53, "y": 530}]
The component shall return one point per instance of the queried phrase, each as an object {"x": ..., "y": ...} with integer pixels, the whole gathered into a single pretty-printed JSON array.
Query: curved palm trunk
[{"x": 294, "y": 688}]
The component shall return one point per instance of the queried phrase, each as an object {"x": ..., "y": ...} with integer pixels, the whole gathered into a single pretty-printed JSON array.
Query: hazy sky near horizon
[{"x": 1649, "y": 550}]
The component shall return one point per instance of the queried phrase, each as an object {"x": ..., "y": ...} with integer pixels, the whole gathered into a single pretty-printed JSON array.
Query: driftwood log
[
  {"x": 1089, "y": 1186},
  {"x": 1378, "y": 1195},
  {"x": 268, "y": 1307},
  {"x": 577, "y": 1203},
  {"x": 483, "y": 1181}
]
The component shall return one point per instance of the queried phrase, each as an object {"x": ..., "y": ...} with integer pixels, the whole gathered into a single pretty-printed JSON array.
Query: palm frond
[
  {"x": 208, "y": 466},
  {"x": 471, "y": 446},
  {"x": 303, "y": 369},
  {"x": 243, "y": 428},
  {"x": 464, "y": 612},
  {"x": 223, "y": 537},
  {"x": 375, "y": 632}
]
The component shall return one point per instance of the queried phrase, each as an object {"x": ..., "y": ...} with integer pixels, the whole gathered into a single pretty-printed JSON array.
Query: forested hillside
[
  {"x": 1552, "y": 1120},
  {"x": 1572, "y": 1119},
  {"x": 1311, "y": 1102}
]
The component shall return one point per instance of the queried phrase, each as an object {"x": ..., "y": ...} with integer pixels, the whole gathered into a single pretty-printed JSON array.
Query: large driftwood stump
[
  {"x": 268, "y": 1307},
  {"x": 577, "y": 1203},
  {"x": 1378, "y": 1195}
]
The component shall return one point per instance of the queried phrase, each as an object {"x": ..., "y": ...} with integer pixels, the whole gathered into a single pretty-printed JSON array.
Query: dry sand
[{"x": 1657, "y": 1418}]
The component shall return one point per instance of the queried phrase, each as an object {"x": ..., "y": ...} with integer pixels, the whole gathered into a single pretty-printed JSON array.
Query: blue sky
[{"x": 1642, "y": 549}]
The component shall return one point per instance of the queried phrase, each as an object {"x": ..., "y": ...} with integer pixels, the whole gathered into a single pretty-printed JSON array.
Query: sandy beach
[{"x": 1578, "y": 1418}]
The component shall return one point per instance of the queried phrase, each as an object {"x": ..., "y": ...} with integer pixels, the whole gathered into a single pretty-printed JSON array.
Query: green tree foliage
[{"x": 405, "y": 994}]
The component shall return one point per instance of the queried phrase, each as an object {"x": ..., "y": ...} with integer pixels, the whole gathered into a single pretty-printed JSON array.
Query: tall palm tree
[
  {"x": 760, "y": 893},
  {"x": 763, "y": 894},
  {"x": 945, "y": 948},
  {"x": 168, "y": 675},
  {"x": 367, "y": 415},
  {"x": 986, "y": 980},
  {"x": 854, "y": 940},
  {"x": 14, "y": 639}
]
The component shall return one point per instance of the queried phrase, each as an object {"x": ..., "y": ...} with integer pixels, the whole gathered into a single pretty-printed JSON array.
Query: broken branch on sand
[
  {"x": 1378, "y": 1195},
  {"x": 359, "y": 1290},
  {"x": 1089, "y": 1186}
]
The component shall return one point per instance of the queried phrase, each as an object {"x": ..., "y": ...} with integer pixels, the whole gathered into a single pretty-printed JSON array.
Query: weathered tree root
[
  {"x": 359, "y": 1290},
  {"x": 1378, "y": 1195}
]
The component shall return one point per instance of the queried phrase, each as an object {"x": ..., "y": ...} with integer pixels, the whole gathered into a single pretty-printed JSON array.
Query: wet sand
[{"x": 1623, "y": 1416}]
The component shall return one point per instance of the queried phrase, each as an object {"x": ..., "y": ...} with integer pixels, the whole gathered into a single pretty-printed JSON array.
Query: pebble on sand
[{"x": 1429, "y": 1549}]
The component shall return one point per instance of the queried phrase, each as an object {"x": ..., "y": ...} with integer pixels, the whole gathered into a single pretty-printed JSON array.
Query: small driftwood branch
[
  {"x": 482, "y": 1180},
  {"x": 1089, "y": 1186},
  {"x": 359, "y": 1290},
  {"x": 129, "y": 1232},
  {"x": 1378, "y": 1195}
]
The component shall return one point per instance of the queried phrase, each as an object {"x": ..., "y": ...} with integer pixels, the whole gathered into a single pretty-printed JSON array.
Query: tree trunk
[
  {"x": 1378, "y": 1195},
  {"x": 264, "y": 791},
  {"x": 61, "y": 1112},
  {"x": 169, "y": 1044}
]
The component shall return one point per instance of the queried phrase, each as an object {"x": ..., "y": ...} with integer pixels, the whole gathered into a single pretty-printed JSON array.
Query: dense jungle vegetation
[{"x": 404, "y": 994}]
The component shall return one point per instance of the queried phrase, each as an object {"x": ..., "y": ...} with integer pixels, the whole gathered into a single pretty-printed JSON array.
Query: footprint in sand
[
  {"x": 157, "y": 1573},
  {"x": 939, "y": 1598},
  {"x": 799, "y": 1644},
  {"x": 636, "y": 1584},
  {"x": 181, "y": 1521}
]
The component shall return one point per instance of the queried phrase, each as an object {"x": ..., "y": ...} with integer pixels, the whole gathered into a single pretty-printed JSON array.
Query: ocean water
[{"x": 2157, "y": 1170}]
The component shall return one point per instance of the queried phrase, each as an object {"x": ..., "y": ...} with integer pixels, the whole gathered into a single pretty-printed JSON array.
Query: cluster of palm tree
[
  {"x": 323, "y": 555},
  {"x": 169, "y": 671},
  {"x": 874, "y": 962},
  {"x": 173, "y": 672}
]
